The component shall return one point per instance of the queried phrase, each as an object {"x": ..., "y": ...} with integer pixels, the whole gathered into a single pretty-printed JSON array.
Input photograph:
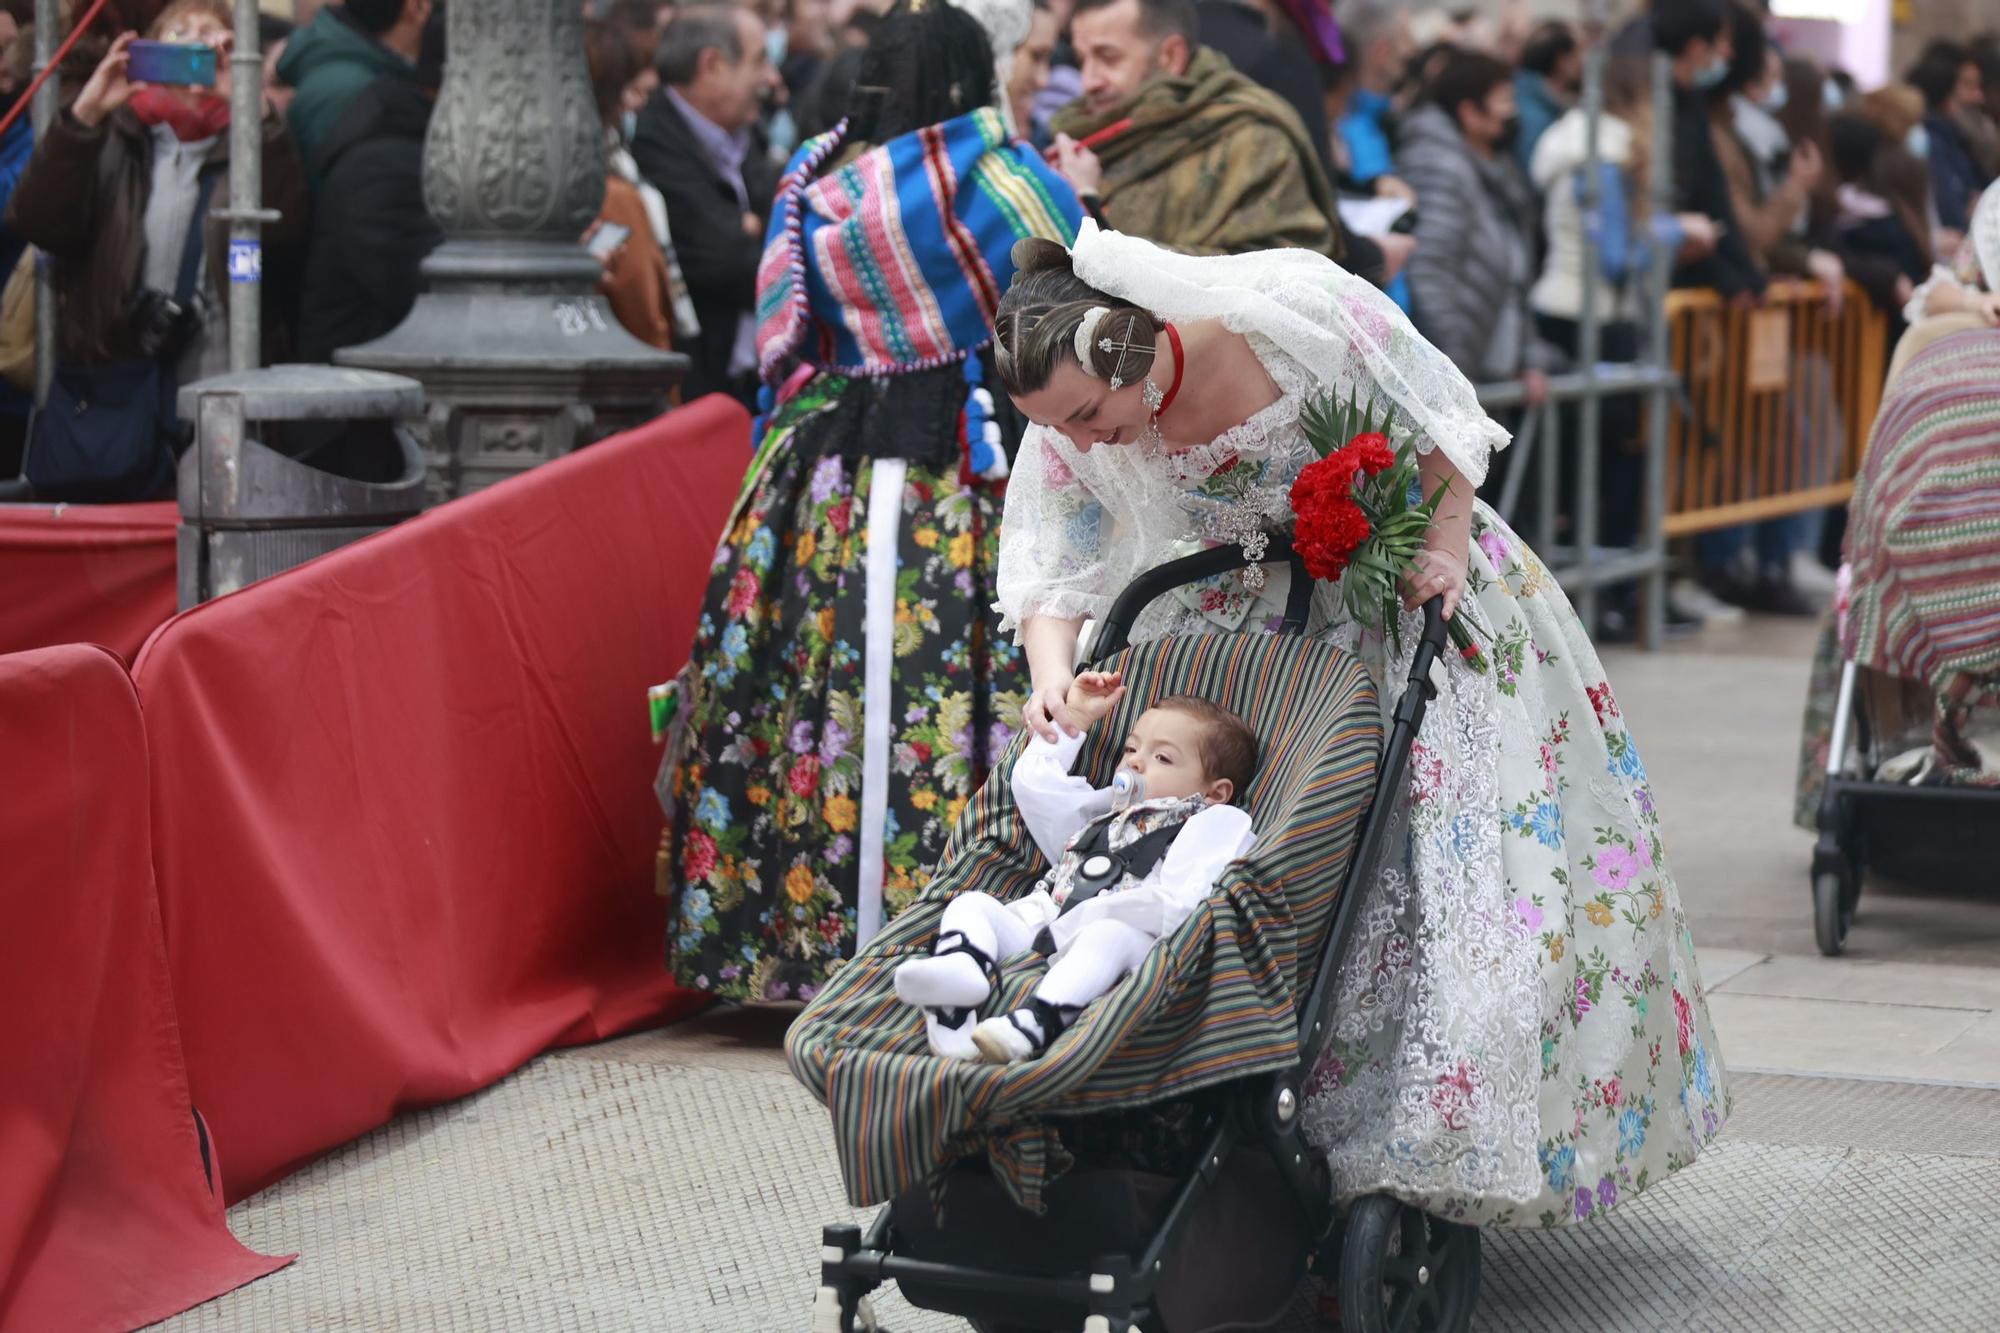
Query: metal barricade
[{"x": 1779, "y": 400}]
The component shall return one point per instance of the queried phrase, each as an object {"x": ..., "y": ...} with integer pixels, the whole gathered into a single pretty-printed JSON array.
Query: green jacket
[
  {"x": 328, "y": 63},
  {"x": 1213, "y": 165}
]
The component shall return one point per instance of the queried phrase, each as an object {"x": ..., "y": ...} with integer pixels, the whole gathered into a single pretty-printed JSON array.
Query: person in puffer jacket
[{"x": 1475, "y": 255}]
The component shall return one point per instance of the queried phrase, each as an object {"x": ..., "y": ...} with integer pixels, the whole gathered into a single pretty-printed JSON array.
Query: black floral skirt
[{"x": 778, "y": 842}]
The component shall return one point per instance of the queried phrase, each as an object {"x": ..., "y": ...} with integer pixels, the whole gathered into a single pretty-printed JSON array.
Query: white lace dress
[{"x": 1521, "y": 1035}]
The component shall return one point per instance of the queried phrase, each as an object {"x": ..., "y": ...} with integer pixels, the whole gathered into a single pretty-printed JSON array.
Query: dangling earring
[{"x": 1157, "y": 402}]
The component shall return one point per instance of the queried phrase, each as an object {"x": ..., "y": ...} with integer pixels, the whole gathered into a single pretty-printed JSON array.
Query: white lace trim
[{"x": 1432, "y": 1085}]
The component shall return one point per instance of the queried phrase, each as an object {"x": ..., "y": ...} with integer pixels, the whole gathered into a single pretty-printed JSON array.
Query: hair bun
[
  {"x": 1038, "y": 254},
  {"x": 1125, "y": 343}
]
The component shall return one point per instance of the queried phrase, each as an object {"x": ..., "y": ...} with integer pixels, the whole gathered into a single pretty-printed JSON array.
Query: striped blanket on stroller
[
  {"x": 1213, "y": 1002},
  {"x": 1924, "y": 540}
]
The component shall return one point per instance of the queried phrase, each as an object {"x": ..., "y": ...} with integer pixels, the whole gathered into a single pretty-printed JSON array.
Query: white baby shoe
[
  {"x": 1005, "y": 1040},
  {"x": 951, "y": 1043}
]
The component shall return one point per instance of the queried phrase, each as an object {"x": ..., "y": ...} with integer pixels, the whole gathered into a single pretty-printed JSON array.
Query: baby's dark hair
[{"x": 1228, "y": 747}]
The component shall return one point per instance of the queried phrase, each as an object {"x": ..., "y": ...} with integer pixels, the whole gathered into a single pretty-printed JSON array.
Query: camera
[{"x": 163, "y": 327}]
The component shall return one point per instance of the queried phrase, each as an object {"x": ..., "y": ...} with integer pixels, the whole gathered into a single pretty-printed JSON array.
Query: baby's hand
[{"x": 1093, "y": 694}]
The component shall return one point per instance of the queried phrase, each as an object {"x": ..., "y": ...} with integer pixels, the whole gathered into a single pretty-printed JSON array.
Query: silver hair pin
[{"x": 1086, "y": 332}]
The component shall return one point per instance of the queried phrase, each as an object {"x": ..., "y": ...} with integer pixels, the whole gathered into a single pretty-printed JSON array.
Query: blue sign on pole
[{"x": 246, "y": 260}]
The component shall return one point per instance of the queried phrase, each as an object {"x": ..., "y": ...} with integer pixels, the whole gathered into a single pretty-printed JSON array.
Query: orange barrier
[{"x": 1784, "y": 393}]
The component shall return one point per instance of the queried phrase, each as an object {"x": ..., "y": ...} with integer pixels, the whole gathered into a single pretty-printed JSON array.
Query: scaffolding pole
[
  {"x": 48, "y": 20},
  {"x": 246, "y": 213}
]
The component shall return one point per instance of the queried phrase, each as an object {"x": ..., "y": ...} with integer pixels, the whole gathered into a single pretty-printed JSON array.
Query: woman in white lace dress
[{"x": 1522, "y": 1036}]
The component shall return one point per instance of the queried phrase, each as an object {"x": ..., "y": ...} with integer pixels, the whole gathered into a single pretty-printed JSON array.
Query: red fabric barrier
[
  {"x": 85, "y": 574},
  {"x": 403, "y": 798},
  {"x": 107, "y": 1220}
]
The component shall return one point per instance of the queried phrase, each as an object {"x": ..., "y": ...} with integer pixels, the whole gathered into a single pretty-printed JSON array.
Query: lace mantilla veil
[
  {"x": 1067, "y": 553},
  {"x": 1438, "y": 980}
]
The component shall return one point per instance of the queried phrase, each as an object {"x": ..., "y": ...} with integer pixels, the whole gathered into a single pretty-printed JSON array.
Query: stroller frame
[
  {"x": 1861, "y": 817},
  {"x": 1433, "y": 1284}
]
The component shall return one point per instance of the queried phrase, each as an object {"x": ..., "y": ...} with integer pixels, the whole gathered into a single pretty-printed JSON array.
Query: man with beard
[{"x": 1188, "y": 152}]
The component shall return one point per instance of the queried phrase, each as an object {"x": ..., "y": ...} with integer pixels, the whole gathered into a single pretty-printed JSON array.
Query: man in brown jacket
[{"x": 1190, "y": 153}]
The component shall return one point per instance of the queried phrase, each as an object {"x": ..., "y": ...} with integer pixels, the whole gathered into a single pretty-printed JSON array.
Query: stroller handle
[{"x": 1114, "y": 635}]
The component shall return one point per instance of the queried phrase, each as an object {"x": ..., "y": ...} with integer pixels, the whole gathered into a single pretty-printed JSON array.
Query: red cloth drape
[
  {"x": 403, "y": 809},
  {"x": 85, "y": 574},
  {"x": 107, "y": 1220}
]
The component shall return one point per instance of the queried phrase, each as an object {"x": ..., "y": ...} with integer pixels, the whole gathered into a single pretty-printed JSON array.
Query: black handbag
[{"x": 106, "y": 433}]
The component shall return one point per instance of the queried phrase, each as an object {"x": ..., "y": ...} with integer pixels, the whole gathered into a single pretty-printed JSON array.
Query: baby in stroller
[{"x": 1128, "y": 863}]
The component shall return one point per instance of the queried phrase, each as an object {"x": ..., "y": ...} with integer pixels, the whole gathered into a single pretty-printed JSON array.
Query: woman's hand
[
  {"x": 108, "y": 87},
  {"x": 1050, "y": 646},
  {"x": 1047, "y": 712},
  {"x": 1435, "y": 573}
]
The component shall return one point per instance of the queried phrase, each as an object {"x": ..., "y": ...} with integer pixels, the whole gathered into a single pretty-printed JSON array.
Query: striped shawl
[
  {"x": 1924, "y": 540},
  {"x": 1213, "y": 1002},
  {"x": 897, "y": 260}
]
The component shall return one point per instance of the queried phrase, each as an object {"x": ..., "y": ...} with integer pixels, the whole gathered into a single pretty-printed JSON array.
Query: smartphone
[
  {"x": 607, "y": 240},
  {"x": 175, "y": 64}
]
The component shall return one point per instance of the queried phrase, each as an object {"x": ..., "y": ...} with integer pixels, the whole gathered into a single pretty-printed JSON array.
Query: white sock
[{"x": 948, "y": 981}]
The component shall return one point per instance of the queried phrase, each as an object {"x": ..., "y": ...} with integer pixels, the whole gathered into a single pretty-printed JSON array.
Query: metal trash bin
[{"x": 288, "y": 463}]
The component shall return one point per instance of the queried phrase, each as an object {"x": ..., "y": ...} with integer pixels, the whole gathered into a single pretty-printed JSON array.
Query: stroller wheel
[
  {"x": 1833, "y": 912},
  {"x": 1404, "y": 1271}
]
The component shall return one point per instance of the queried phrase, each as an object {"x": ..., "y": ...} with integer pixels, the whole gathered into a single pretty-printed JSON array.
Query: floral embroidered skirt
[
  {"x": 1521, "y": 1037},
  {"x": 828, "y": 751}
]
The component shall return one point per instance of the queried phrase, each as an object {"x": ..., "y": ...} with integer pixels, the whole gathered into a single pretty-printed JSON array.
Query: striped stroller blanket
[
  {"x": 1924, "y": 538},
  {"x": 1214, "y": 1002}
]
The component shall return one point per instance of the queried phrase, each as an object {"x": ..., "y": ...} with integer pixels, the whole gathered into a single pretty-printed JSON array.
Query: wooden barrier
[{"x": 1783, "y": 395}]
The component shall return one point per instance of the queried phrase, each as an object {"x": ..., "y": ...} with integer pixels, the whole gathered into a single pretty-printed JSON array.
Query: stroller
[
  {"x": 1907, "y": 790},
  {"x": 1192, "y": 1199},
  {"x": 1872, "y": 817}
]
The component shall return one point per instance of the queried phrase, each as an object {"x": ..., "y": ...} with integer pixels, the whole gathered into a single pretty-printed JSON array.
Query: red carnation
[
  {"x": 1330, "y": 478},
  {"x": 804, "y": 776},
  {"x": 1372, "y": 453},
  {"x": 1330, "y": 526}
]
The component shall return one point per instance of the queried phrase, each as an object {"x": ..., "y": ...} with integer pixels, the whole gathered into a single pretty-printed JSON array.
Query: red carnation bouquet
[{"x": 1358, "y": 521}]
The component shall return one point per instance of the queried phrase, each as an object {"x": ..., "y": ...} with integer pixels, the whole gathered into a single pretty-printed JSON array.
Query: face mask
[
  {"x": 628, "y": 126},
  {"x": 1776, "y": 98},
  {"x": 1831, "y": 97},
  {"x": 783, "y": 132},
  {"x": 1127, "y": 789},
  {"x": 777, "y": 42},
  {"x": 1918, "y": 141},
  {"x": 1712, "y": 76}
]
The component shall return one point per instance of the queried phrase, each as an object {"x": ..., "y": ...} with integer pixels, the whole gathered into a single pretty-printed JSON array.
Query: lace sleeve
[
  {"x": 1056, "y": 552},
  {"x": 1916, "y": 308},
  {"x": 1344, "y": 331}
]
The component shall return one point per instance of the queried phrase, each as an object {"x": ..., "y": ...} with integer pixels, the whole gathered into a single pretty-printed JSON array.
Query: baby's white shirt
[{"x": 1056, "y": 805}]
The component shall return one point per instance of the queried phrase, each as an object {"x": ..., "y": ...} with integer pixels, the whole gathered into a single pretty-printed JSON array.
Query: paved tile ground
[
  {"x": 639, "y": 1186},
  {"x": 676, "y": 1180}
]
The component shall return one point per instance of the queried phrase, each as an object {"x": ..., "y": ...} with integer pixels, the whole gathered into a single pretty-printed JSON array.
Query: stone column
[{"x": 519, "y": 353}]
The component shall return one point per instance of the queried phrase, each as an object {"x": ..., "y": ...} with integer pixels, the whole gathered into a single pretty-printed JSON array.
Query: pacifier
[{"x": 1128, "y": 788}]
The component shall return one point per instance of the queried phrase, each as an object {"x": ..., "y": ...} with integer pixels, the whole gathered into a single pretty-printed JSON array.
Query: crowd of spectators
[{"x": 1439, "y": 154}]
